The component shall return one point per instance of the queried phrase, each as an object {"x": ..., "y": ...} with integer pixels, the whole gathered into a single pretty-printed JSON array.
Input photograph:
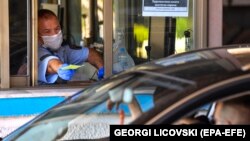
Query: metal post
[
  {"x": 108, "y": 37},
  {"x": 34, "y": 43},
  {"x": 148, "y": 47},
  {"x": 4, "y": 44},
  {"x": 170, "y": 30}
]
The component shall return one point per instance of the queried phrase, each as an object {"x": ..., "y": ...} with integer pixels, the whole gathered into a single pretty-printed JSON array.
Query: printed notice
[{"x": 165, "y": 8}]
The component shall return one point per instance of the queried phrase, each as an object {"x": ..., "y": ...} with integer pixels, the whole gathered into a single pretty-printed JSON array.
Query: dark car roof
[{"x": 205, "y": 66}]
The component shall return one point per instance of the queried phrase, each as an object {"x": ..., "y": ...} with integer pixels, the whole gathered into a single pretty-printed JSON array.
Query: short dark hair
[
  {"x": 45, "y": 14},
  {"x": 243, "y": 101}
]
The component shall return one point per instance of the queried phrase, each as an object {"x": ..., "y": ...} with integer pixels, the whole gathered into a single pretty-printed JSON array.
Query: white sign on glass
[{"x": 165, "y": 8}]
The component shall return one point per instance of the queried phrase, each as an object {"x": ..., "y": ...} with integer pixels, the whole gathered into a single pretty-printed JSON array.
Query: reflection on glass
[
  {"x": 127, "y": 17},
  {"x": 92, "y": 23},
  {"x": 18, "y": 37},
  {"x": 138, "y": 28}
]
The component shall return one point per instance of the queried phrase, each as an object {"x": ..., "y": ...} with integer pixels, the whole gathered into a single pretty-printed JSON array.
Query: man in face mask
[{"x": 54, "y": 55}]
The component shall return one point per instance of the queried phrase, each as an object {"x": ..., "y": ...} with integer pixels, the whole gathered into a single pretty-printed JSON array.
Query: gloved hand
[
  {"x": 65, "y": 74},
  {"x": 100, "y": 73}
]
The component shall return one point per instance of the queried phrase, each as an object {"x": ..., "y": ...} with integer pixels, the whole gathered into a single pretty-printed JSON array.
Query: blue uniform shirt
[{"x": 65, "y": 54}]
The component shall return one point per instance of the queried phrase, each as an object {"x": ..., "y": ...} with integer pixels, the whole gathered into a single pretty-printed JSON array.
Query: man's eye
[{"x": 46, "y": 32}]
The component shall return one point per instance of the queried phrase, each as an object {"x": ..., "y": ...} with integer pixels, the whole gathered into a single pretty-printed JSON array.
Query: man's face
[
  {"x": 48, "y": 27},
  {"x": 219, "y": 116}
]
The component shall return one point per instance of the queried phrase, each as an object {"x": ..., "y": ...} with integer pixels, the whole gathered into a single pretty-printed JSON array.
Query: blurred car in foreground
[{"x": 158, "y": 92}]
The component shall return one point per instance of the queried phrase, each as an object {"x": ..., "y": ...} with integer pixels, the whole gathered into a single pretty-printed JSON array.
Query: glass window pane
[
  {"x": 236, "y": 15},
  {"x": 148, "y": 37},
  {"x": 18, "y": 37}
]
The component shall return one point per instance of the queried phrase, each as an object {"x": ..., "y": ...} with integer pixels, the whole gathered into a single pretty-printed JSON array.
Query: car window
[
  {"x": 212, "y": 113},
  {"x": 120, "y": 101},
  {"x": 242, "y": 56},
  {"x": 200, "y": 115}
]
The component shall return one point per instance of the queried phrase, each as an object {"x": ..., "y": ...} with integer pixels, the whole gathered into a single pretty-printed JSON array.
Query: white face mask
[{"x": 53, "y": 42}]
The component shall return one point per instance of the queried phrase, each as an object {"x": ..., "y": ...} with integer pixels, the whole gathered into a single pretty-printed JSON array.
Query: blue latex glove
[
  {"x": 66, "y": 74},
  {"x": 100, "y": 73}
]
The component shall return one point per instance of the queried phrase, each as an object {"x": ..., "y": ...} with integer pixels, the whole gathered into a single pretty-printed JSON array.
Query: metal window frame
[
  {"x": 200, "y": 36},
  {"x": 200, "y": 23},
  {"x": 34, "y": 43},
  {"x": 24, "y": 80},
  {"x": 31, "y": 78},
  {"x": 108, "y": 36},
  {"x": 4, "y": 44}
]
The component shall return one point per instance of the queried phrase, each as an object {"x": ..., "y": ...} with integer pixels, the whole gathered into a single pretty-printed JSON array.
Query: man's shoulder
[
  {"x": 65, "y": 43},
  {"x": 68, "y": 45},
  {"x": 42, "y": 49}
]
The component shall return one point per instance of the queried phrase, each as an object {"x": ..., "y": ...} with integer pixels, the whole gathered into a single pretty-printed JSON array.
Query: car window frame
[{"x": 218, "y": 90}]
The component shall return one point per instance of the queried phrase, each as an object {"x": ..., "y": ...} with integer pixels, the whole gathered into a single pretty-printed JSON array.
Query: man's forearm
[{"x": 95, "y": 58}]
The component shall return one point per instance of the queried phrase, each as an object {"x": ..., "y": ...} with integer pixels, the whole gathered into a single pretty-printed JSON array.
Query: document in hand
[{"x": 72, "y": 67}]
